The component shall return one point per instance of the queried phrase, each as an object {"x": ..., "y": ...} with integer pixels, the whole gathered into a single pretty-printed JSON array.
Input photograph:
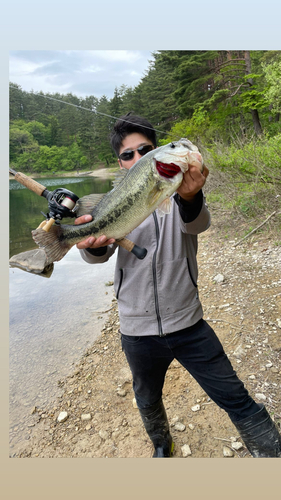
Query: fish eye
[{"x": 172, "y": 145}]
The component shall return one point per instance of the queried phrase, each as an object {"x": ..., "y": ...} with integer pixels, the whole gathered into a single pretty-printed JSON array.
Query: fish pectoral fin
[
  {"x": 87, "y": 203},
  {"x": 153, "y": 196},
  {"x": 164, "y": 207}
]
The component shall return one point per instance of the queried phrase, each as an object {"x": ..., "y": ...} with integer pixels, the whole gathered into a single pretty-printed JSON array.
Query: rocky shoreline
[
  {"x": 103, "y": 173},
  {"x": 96, "y": 415}
]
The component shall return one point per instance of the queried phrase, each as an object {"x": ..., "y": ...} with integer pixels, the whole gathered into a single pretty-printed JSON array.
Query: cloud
[{"x": 90, "y": 72}]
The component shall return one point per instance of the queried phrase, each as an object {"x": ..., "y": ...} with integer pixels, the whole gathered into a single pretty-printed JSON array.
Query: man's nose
[{"x": 137, "y": 156}]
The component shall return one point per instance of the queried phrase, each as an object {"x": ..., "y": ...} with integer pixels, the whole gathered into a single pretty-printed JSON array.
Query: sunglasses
[{"x": 129, "y": 155}]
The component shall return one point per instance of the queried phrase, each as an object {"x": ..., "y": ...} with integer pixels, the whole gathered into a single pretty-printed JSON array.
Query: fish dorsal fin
[
  {"x": 119, "y": 177},
  {"x": 164, "y": 207},
  {"x": 87, "y": 203}
]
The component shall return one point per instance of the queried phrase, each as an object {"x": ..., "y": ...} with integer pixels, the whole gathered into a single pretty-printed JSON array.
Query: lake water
[{"x": 52, "y": 320}]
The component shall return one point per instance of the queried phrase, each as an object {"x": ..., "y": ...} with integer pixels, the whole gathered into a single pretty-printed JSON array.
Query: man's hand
[
  {"x": 193, "y": 181},
  {"x": 91, "y": 242}
]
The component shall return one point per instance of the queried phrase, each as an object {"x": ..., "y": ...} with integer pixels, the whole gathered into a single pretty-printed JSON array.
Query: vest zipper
[{"x": 161, "y": 334}]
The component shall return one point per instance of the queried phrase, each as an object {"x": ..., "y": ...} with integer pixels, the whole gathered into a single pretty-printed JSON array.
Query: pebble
[
  {"x": 88, "y": 427},
  {"x": 252, "y": 377},
  {"x": 86, "y": 416},
  {"x": 260, "y": 396},
  {"x": 236, "y": 445},
  {"x": 134, "y": 403},
  {"x": 179, "y": 427},
  {"x": 195, "y": 408},
  {"x": 103, "y": 434},
  {"x": 239, "y": 351},
  {"x": 219, "y": 278},
  {"x": 186, "y": 451},
  {"x": 122, "y": 393},
  {"x": 227, "y": 452},
  {"x": 62, "y": 416},
  {"x": 191, "y": 426}
]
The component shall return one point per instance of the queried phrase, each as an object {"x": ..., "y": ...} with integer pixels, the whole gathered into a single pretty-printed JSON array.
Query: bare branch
[{"x": 254, "y": 230}]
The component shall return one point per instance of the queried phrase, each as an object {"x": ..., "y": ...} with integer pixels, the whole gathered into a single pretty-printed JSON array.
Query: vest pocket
[
  {"x": 120, "y": 282},
  {"x": 189, "y": 270}
]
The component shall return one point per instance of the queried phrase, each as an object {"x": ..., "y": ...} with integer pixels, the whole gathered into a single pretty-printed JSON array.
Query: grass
[{"x": 244, "y": 187}]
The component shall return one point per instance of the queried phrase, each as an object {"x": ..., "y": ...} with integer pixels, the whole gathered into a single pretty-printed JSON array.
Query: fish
[{"x": 148, "y": 185}]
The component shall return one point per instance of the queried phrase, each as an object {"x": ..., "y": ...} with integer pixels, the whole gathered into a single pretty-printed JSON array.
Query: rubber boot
[
  {"x": 157, "y": 427},
  {"x": 260, "y": 434}
]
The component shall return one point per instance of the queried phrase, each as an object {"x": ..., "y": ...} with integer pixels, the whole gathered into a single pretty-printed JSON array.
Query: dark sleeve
[
  {"x": 97, "y": 252},
  {"x": 189, "y": 210}
]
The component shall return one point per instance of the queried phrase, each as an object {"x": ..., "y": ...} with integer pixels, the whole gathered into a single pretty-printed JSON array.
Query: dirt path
[{"x": 245, "y": 311}]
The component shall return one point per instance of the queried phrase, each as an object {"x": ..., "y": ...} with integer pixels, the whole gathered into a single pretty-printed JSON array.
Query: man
[{"x": 161, "y": 316}]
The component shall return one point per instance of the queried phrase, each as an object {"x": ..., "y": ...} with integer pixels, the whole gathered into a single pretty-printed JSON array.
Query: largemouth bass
[{"x": 147, "y": 185}]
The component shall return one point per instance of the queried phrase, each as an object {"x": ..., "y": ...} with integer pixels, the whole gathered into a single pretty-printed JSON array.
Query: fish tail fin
[{"x": 54, "y": 246}]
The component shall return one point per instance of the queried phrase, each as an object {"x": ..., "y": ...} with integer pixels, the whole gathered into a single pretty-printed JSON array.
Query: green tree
[
  {"x": 273, "y": 78},
  {"x": 21, "y": 141}
]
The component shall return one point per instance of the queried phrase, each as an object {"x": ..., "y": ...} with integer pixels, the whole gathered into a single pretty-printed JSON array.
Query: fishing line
[{"x": 87, "y": 109}]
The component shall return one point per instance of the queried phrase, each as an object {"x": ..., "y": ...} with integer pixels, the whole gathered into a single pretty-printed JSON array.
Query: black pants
[{"x": 197, "y": 349}]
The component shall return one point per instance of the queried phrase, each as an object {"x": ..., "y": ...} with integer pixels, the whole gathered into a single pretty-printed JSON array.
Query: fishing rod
[
  {"x": 91, "y": 110},
  {"x": 62, "y": 203}
]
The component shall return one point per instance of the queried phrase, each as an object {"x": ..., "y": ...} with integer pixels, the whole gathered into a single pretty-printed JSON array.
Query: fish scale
[{"x": 141, "y": 190}]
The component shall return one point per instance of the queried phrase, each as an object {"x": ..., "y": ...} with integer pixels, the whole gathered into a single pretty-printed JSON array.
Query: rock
[
  {"x": 236, "y": 445},
  {"x": 32, "y": 261},
  {"x": 227, "y": 452},
  {"x": 239, "y": 352},
  {"x": 122, "y": 393},
  {"x": 196, "y": 408},
  {"x": 174, "y": 420},
  {"x": 260, "y": 397},
  {"x": 252, "y": 377},
  {"x": 85, "y": 417},
  {"x": 103, "y": 435},
  {"x": 124, "y": 376},
  {"x": 219, "y": 278},
  {"x": 179, "y": 427},
  {"x": 88, "y": 427},
  {"x": 269, "y": 365},
  {"x": 134, "y": 403},
  {"x": 191, "y": 426},
  {"x": 186, "y": 451},
  {"x": 63, "y": 416}
]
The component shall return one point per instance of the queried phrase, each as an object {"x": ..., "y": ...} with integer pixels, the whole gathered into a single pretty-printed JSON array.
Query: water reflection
[
  {"x": 52, "y": 321},
  {"x": 26, "y": 206}
]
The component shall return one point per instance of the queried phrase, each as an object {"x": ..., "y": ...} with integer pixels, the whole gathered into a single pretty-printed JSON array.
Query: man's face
[{"x": 133, "y": 141}]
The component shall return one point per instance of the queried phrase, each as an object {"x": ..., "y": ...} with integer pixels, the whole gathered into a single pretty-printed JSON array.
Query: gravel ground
[{"x": 240, "y": 288}]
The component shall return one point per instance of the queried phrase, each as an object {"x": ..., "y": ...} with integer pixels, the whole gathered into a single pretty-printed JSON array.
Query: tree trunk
[{"x": 254, "y": 112}]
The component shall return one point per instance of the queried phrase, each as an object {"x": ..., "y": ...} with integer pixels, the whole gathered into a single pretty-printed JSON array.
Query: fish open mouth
[{"x": 167, "y": 170}]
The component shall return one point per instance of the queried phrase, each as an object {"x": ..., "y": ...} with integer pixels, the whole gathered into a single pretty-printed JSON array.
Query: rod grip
[
  {"x": 139, "y": 252},
  {"x": 30, "y": 183}
]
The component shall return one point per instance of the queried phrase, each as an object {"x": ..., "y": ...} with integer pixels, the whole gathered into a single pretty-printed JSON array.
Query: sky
[{"x": 80, "y": 72}]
